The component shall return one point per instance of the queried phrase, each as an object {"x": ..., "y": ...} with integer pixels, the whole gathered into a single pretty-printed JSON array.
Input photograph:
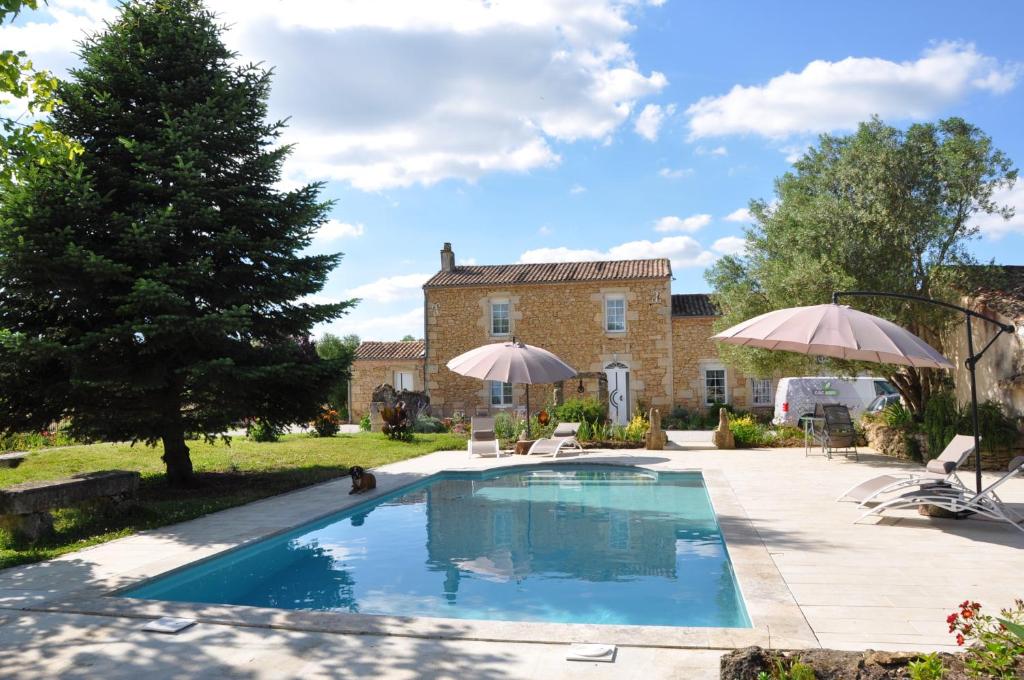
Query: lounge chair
[
  {"x": 837, "y": 434},
  {"x": 564, "y": 437},
  {"x": 943, "y": 468},
  {"x": 482, "y": 438},
  {"x": 959, "y": 501}
]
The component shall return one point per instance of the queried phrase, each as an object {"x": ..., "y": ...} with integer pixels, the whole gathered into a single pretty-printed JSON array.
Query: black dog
[{"x": 361, "y": 480}]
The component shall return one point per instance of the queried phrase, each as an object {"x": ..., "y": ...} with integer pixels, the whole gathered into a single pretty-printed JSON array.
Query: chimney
[{"x": 447, "y": 258}]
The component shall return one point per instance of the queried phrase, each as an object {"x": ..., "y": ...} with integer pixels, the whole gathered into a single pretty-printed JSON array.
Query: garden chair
[
  {"x": 957, "y": 500},
  {"x": 943, "y": 468},
  {"x": 564, "y": 437},
  {"x": 837, "y": 434},
  {"x": 482, "y": 438}
]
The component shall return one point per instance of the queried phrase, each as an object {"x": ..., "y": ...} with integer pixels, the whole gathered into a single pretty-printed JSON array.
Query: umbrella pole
[
  {"x": 528, "y": 413},
  {"x": 971, "y": 360}
]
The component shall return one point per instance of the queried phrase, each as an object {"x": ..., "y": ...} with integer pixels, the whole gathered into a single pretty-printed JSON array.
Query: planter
[
  {"x": 831, "y": 664},
  {"x": 612, "y": 445}
]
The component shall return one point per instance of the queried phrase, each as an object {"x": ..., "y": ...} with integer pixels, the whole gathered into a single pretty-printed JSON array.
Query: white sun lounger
[
  {"x": 482, "y": 438},
  {"x": 986, "y": 503},
  {"x": 564, "y": 437},
  {"x": 940, "y": 469}
]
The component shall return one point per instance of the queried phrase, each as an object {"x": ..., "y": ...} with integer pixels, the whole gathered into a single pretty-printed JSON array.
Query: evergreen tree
[{"x": 152, "y": 287}]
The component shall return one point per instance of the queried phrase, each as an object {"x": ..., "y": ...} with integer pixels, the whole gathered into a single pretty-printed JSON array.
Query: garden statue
[
  {"x": 655, "y": 438},
  {"x": 416, "y": 404},
  {"x": 723, "y": 437}
]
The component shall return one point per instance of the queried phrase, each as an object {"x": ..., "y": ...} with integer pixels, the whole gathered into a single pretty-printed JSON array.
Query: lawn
[{"x": 228, "y": 475}]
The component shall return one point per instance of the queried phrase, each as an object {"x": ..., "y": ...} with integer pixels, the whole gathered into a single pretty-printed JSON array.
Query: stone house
[
  {"x": 399, "y": 364},
  {"x": 634, "y": 343},
  {"x": 1000, "y": 373}
]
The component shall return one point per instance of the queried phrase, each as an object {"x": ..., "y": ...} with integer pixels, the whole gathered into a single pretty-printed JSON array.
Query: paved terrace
[{"x": 810, "y": 577}]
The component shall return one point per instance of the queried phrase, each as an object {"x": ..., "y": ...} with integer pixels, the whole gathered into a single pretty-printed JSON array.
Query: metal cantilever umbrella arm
[{"x": 972, "y": 357}]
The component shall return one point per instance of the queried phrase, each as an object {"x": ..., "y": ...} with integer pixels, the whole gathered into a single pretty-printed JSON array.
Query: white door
[
  {"x": 403, "y": 380},
  {"x": 618, "y": 392}
]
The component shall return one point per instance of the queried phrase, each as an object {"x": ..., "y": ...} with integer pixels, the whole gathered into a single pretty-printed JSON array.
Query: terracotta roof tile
[
  {"x": 1007, "y": 297},
  {"x": 553, "y": 272},
  {"x": 412, "y": 349},
  {"x": 694, "y": 304}
]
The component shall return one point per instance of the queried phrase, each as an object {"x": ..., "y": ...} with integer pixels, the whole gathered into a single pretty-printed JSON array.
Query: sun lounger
[
  {"x": 940, "y": 469},
  {"x": 482, "y": 438},
  {"x": 957, "y": 500},
  {"x": 564, "y": 437}
]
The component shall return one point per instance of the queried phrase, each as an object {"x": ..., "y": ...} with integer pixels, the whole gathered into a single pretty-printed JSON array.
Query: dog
[{"x": 361, "y": 480}]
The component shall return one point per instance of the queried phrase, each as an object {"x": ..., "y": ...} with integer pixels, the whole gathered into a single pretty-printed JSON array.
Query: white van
[{"x": 795, "y": 397}]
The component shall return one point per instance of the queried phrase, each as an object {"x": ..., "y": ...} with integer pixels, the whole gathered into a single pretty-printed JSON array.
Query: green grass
[{"x": 228, "y": 476}]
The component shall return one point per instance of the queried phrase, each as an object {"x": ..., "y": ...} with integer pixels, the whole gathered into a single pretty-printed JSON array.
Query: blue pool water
[{"x": 568, "y": 544}]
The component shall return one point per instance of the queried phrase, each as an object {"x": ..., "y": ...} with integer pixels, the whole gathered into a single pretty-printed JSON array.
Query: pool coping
[{"x": 777, "y": 621}]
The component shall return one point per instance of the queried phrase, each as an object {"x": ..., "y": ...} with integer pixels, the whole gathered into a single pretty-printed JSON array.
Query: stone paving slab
[{"x": 807, "y": 573}]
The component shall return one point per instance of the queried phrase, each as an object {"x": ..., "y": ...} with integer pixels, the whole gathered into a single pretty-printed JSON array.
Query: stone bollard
[
  {"x": 655, "y": 438},
  {"x": 376, "y": 422},
  {"x": 723, "y": 435}
]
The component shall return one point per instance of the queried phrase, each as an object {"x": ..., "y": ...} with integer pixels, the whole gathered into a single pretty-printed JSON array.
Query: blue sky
[{"x": 535, "y": 131}]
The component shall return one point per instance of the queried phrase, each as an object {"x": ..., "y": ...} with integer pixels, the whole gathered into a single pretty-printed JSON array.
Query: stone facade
[
  {"x": 564, "y": 318},
  {"x": 694, "y": 351},
  {"x": 378, "y": 363}
]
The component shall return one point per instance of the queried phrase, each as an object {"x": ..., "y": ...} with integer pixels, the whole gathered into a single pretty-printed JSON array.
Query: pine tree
[{"x": 151, "y": 288}]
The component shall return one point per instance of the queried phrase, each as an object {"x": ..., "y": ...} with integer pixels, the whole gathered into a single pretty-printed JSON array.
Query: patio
[{"x": 884, "y": 585}]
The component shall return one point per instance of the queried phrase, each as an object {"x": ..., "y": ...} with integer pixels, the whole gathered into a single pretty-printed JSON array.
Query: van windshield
[{"x": 884, "y": 387}]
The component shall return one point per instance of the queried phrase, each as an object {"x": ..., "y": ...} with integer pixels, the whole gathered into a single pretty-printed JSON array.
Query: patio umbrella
[
  {"x": 513, "y": 362},
  {"x": 837, "y": 331}
]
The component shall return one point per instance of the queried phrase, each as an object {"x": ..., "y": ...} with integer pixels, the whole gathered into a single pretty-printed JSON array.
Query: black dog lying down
[{"x": 361, "y": 480}]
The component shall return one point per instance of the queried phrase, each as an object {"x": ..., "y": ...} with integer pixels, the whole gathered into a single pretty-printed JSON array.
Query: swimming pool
[{"x": 566, "y": 543}]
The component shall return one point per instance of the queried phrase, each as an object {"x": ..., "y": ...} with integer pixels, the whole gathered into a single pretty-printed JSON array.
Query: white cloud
[
  {"x": 380, "y": 327},
  {"x": 715, "y": 151},
  {"x": 545, "y": 230},
  {"x": 577, "y": 189},
  {"x": 739, "y": 215},
  {"x": 994, "y": 226},
  {"x": 729, "y": 245},
  {"x": 688, "y": 224},
  {"x": 332, "y": 230},
  {"x": 683, "y": 251},
  {"x": 676, "y": 173},
  {"x": 648, "y": 123},
  {"x": 837, "y": 95},
  {"x": 390, "y": 288},
  {"x": 411, "y": 92}
]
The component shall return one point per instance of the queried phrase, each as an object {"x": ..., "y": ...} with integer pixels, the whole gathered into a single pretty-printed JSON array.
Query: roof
[
  {"x": 1008, "y": 297},
  {"x": 551, "y": 272},
  {"x": 407, "y": 349},
  {"x": 693, "y": 304}
]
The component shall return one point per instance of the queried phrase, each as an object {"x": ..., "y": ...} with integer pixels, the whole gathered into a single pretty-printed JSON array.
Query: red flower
[
  {"x": 951, "y": 619},
  {"x": 959, "y": 639},
  {"x": 965, "y": 604},
  {"x": 967, "y": 613},
  {"x": 967, "y": 629}
]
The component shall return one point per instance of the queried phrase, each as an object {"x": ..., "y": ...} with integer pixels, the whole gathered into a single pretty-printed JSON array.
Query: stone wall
[
  {"x": 564, "y": 318},
  {"x": 692, "y": 350},
  {"x": 1000, "y": 373},
  {"x": 368, "y": 373}
]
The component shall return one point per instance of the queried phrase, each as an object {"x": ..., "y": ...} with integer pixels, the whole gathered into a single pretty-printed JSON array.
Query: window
[
  {"x": 501, "y": 393},
  {"x": 500, "y": 324},
  {"x": 714, "y": 385},
  {"x": 761, "y": 391},
  {"x": 403, "y": 380},
  {"x": 615, "y": 314}
]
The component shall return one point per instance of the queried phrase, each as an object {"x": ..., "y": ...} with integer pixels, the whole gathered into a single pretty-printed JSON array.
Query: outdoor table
[{"x": 810, "y": 423}]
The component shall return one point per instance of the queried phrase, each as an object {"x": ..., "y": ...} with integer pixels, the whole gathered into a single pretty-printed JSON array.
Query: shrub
[
  {"x": 941, "y": 418},
  {"x": 997, "y": 430},
  {"x": 364, "y": 423},
  {"x": 327, "y": 423},
  {"x": 585, "y": 433},
  {"x": 396, "y": 422},
  {"x": 998, "y": 649},
  {"x": 748, "y": 432},
  {"x": 428, "y": 425},
  {"x": 926, "y": 667},
  {"x": 788, "y": 435},
  {"x": 636, "y": 429},
  {"x": 578, "y": 410},
  {"x": 260, "y": 430},
  {"x": 507, "y": 426},
  {"x": 898, "y": 416}
]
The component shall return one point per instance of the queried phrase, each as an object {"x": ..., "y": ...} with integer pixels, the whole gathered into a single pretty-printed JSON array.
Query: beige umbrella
[
  {"x": 513, "y": 362},
  {"x": 838, "y": 331}
]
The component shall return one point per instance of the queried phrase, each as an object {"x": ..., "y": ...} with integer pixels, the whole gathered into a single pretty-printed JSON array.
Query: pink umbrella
[
  {"x": 513, "y": 362},
  {"x": 835, "y": 331}
]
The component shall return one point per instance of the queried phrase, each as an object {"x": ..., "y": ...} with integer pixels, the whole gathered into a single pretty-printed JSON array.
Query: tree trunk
[{"x": 179, "y": 465}]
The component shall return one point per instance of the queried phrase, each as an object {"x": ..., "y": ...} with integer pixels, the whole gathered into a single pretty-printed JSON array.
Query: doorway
[{"x": 618, "y": 392}]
